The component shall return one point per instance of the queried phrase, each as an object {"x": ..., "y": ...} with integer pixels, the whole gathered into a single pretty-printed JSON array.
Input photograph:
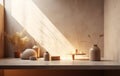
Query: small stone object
[
  {"x": 46, "y": 56},
  {"x": 94, "y": 53}
]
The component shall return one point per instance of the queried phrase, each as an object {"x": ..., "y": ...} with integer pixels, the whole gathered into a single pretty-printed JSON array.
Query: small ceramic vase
[
  {"x": 46, "y": 56},
  {"x": 94, "y": 53}
]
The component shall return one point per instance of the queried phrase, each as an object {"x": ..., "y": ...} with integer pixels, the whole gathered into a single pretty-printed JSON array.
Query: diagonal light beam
[{"x": 40, "y": 27}]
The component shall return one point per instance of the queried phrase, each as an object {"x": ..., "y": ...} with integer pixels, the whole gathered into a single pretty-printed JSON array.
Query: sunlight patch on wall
[
  {"x": 1, "y": 2},
  {"x": 40, "y": 27}
]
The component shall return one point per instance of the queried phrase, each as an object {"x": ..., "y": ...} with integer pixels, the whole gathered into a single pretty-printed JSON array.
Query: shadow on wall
[
  {"x": 12, "y": 26},
  {"x": 16, "y": 27},
  {"x": 38, "y": 26}
]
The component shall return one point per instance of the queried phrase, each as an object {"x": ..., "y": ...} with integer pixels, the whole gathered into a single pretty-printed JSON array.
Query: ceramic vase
[
  {"x": 94, "y": 53},
  {"x": 46, "y": 56}
]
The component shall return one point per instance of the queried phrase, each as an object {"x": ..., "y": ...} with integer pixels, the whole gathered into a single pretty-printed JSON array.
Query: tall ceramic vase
[{"x": 94, "y": 53}]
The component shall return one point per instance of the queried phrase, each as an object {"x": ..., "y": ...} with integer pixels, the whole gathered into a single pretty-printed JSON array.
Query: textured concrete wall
[
  {"x": 74, "y": 19},
  {"x": 112, "y": 29}
]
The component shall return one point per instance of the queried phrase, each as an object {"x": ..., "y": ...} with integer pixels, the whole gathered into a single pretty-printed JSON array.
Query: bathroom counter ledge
[{"x": 17, "y": 63}]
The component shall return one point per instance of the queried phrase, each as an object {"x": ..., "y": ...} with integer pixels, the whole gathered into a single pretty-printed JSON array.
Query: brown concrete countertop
[{"x": 17, "y": 63}]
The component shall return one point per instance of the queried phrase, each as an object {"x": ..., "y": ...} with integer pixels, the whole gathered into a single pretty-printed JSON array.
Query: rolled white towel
[{"x": 28, "y": 53}]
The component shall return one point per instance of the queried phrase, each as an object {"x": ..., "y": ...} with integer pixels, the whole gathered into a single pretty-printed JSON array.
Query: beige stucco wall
[
  {"x": 74, "y": 19},
  {"x": 112, "y": 29}
]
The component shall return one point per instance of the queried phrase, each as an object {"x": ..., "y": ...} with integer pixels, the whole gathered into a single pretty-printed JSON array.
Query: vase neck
[{"x": 95, "y": 45}]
